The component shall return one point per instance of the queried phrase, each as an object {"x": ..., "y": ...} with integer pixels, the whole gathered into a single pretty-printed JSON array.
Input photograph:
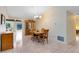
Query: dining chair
[
  {"x": 41, "y": 38},
  {"x": 34, "y": 37},
  {"x": 45, "y": 36}
]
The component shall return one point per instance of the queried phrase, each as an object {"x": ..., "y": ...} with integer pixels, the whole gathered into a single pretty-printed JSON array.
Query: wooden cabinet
[
  {"x": 30, "y": 25},
  {"x": 6, "y": 41}
]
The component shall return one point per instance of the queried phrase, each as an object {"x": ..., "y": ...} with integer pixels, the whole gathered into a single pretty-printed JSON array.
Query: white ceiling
[
  {"x": 25, "y": 11},
  {"x": 31, "y": 11}
]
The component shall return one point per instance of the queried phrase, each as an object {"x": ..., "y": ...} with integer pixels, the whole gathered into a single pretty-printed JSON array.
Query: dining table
[
  {"x": 38, "y": 33},
  {"x": 39, "y": 36}
]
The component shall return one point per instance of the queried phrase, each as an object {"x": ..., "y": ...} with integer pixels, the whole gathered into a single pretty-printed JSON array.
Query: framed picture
[
  {"x": 8, "y": 25},
  {"x": 19, "y": 26},
  {"x": 2, "y": 19}
]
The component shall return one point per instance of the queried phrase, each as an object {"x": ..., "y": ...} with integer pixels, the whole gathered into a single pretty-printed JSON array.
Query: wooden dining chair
[
  {"x": 34, "y": 37},
  {"x": 45, "y": 36},
  {"x": 41, "y": 38}
]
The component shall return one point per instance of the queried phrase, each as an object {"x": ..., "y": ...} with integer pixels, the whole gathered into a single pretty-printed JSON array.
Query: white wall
[
  {"x": 3, "y": 11},
  {"x": 60, "y": 23}
]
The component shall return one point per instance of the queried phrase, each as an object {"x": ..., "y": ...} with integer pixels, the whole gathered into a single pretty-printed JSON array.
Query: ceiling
[
  {"x": 22, "y": 12},
  {"x": 25, "y": 11}
]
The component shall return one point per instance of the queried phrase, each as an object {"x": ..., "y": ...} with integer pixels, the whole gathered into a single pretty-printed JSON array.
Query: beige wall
[{"x": 77, "y": 22}]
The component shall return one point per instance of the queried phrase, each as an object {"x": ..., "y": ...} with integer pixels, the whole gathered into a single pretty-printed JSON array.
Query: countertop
[{"x": 6, "y": 32}]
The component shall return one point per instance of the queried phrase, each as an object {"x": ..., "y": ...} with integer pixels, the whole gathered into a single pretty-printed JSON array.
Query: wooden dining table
[
  {"x": 39, "y": 36},
  {"x": 38, "y": 33}
]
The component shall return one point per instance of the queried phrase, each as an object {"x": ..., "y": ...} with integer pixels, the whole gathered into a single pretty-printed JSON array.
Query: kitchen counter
[{"x": 6, "y": 32}]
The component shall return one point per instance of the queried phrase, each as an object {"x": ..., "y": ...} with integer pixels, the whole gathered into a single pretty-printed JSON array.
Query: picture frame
[
  {"x": 19, "y": 26},
  {"x": 2, "y": 19}
]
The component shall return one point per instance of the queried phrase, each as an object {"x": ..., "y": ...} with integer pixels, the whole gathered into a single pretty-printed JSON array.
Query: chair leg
[
  {"x": 32, "y": 39},
  {"x": 38, "y": 39},
  {"x": 47, "y": 40},
  {"x": 43, "y": 40}
]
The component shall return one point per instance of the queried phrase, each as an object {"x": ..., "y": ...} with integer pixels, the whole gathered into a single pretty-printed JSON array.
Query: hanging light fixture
[{"x": 37, "y": 17}]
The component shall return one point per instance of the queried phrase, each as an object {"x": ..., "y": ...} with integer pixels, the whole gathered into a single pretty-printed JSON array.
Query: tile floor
[{"x": 52, "y": 47}]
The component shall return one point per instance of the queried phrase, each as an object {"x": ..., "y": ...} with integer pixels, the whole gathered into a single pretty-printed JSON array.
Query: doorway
[
  {"x": 77, "y": 28},
  {"x": 72, "y": 27}
]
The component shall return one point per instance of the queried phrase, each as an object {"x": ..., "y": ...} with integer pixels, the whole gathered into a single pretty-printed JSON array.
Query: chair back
[
  {"x": 45, "y": 32},
  {"x": 42, "y": 30}
]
